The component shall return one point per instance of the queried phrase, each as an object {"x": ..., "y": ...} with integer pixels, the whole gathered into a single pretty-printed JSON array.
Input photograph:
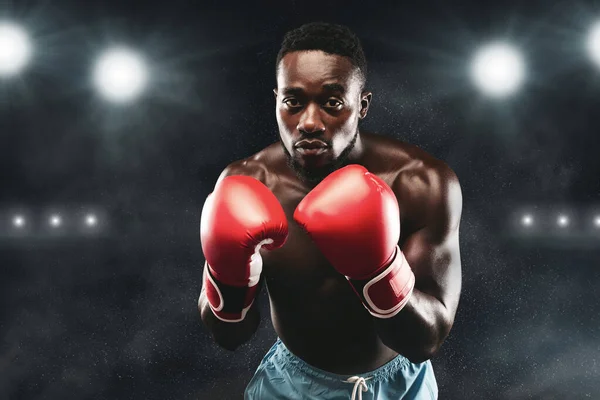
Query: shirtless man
[{"x": 354, "y": 234}]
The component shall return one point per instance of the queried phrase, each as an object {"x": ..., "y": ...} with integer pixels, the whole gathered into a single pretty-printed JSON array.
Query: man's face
[{"x": 319, "y": 104}]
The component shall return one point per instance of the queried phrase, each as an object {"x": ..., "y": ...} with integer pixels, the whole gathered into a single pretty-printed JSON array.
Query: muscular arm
[
  {"x": 432, "y": 251},
  {"x": 231, "y": 335}
]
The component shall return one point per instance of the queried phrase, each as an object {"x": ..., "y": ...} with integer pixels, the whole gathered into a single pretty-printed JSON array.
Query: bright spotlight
[
  {"x": 562, "y": 221},
  {"x": 15, "y": 49},
  {"x": 597, "y": 221},
  {"x": 18, "y": 221},
  {"x": 91, "y": 220},
  {"x": 527, "y": 220},
  {"x": 593, "y": 43},
  {"x": 498, "y": 69},
  {"x": 120, "y": 75},
  {"x": 55, "y": 221}
]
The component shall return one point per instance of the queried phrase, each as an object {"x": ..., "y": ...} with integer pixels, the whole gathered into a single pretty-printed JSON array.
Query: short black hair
[{"x": 327, "y": 37}]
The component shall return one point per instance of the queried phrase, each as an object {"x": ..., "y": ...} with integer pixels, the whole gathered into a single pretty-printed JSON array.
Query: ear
[
  {"x": 365, "y": 102},
  {"x": 275, "y": 92}
]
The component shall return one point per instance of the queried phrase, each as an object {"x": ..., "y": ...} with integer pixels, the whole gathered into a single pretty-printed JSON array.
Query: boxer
[{"x": 354, "y": 235}]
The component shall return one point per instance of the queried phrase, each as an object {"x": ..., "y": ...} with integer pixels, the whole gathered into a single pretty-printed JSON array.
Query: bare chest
[{"x": 299, "y": 264}]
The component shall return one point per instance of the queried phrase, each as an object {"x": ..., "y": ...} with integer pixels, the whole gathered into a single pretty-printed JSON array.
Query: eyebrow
[
  {"x": 294, "y": 91},
  {"x": 334, "y": 87}
]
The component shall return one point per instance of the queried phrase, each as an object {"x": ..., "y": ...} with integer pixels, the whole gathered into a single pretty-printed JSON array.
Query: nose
[{"x": 310, "y": 121}]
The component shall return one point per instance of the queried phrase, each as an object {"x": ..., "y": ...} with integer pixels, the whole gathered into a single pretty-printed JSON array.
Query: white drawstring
[{"x": 360, "y": 385}]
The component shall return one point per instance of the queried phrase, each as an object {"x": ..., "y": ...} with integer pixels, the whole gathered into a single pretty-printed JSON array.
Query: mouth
[{"x": 311, "y": 147}]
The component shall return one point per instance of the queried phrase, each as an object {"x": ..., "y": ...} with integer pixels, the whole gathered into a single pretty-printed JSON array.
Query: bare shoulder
[
  {"x": 406, "y": 161},
  {"x": 259, "y": 166},
  {"x": 423, "y": 171},
  {"x": 426, "y": 187}
]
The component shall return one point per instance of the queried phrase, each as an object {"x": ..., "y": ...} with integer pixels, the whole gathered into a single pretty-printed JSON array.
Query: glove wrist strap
[
  {"x": 387, "y": 293},
  {"x": 228, "y": 303}
]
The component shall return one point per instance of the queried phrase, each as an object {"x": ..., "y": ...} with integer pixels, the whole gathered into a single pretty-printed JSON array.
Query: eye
[
  {"x": 333, "y": 103},
  {"x": 292, "y": 102}
]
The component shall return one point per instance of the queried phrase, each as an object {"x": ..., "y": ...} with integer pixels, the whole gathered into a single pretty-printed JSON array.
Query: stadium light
[
  {"x": 498, "y": 69},
  {"x": 55, "y": 221},
  {"x": 91, "y": 220},
  {"x": 15, "y": 49},
  {"x": 593, "y": 43},
  {"x": 527, "y": 220},
  {"x": 562, "y": 221},
  {"x": 120, "y": 75},
  {"x": 18, "y": 221}
]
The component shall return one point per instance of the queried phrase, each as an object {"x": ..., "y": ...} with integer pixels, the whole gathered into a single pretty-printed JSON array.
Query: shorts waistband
[{"x": 286, "y": 358}]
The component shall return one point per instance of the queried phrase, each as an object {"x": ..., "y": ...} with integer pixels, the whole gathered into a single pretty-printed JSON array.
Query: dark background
[{"x": 114, "y": 315}]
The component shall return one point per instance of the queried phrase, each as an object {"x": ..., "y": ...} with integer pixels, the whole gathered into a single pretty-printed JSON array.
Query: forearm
[
  {"x": 229, "y": 335},
  {"x": 418, "y": 331}
]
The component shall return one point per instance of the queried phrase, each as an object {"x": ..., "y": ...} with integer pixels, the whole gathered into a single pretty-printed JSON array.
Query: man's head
[{"x": 321, "y": 73}]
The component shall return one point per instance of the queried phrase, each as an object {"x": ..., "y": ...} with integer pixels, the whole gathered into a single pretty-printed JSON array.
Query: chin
[
  {"x": 314, "y": 163},
  {"x": 314, "y": 171}
]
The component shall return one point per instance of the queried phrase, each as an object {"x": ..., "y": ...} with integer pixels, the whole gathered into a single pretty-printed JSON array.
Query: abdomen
[
  {"x": 316, "y": 313},
  {"x": 320, "y": 319}
]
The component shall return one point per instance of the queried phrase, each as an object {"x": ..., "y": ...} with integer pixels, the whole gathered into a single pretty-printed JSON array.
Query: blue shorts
[{"x": 282, "y": 375}]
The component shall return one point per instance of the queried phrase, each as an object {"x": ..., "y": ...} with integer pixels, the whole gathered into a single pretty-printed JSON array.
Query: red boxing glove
[
  {"x": 238, "y": 218},
  {"x": 353, "y": 217}
]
